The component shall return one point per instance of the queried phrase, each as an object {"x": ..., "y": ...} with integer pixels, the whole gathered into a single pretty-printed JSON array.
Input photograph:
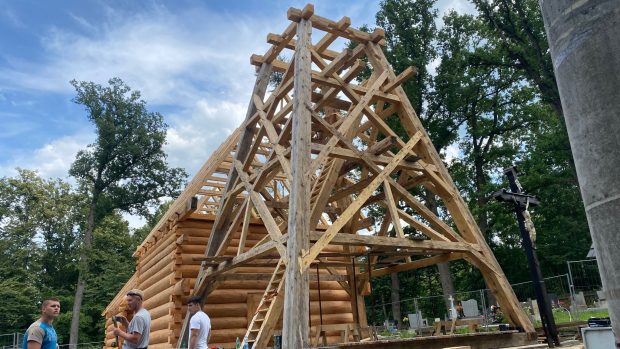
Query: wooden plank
[
  {"x": 273, "y": 138},
  {"x": 194, "y": 185},
  {"x": 348, "y": 122},
  {"x": 406, "y": 74},
  {"x": 329, "y": 38},
  {"x": 391, "y": 204},
  {"x": 295, "y": 327},
  {"x": 245, "y": 228},
  {"x": 232, "y": 229},
  {"x": 276, "y": 39},
  {"x": 417, "y": 264},
  {"x": 275, "y": 50},
  {"x": 414, "y": 246},
  {"x": 423, "y": 228}
]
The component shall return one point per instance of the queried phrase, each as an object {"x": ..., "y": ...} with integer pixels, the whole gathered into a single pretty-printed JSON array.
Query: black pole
[
  {"x": 544, "y": 305},
  {"x": 372, "y": 297},
  {"x": 354, "y": 291},
  {"x": 318, "y": 282}
]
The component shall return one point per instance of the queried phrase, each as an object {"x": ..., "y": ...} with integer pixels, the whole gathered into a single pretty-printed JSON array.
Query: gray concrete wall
[{"x": 584, "y": 38}]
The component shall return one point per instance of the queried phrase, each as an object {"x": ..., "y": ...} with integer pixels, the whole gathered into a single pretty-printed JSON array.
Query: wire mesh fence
[
  {"x": 14, "y": 341},
  {"x": 422, "y": 313},
  {"x": 585, "y": 284},
  {"x": 11, "y": 340}
]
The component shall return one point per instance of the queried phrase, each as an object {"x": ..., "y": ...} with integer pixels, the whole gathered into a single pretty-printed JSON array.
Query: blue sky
[{"x": 189, "y": 58}]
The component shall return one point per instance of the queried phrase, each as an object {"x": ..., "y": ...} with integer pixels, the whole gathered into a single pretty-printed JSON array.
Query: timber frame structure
[{"x": 311, "y": 158}]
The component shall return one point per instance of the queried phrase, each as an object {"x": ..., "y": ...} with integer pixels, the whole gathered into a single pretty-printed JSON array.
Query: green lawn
[{"x": 562, "y": 316}]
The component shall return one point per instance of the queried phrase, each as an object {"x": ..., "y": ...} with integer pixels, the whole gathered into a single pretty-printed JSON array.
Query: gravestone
[
  {"x": 602, "y": 299},
  {"x": 416, "y": 321},
  {"x": 470, "y": 308},
  {"x": 579, "y": 301},
  {"x": 535, "y": 310}
]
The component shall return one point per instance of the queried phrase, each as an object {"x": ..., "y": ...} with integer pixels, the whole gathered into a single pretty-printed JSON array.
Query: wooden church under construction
[{"x": 274, "y": 232}]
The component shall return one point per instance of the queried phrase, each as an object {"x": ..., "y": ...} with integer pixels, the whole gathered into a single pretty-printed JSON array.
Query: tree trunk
[
  {"x": 396, "y": 298},
  {"x": 447, "y": 284},
  {"x": 446, "y": 279},
  {"x": 82, "y": 270}
]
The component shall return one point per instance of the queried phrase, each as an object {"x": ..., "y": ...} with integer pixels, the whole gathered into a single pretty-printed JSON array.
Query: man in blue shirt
[{"x": 41, "y": 334}]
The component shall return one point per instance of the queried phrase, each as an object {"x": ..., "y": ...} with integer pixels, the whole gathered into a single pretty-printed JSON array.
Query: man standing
[
  {"x": 199, "y": 324},
  {"x": 41, "y": 334},
  {"x": 138, "y": 330}
]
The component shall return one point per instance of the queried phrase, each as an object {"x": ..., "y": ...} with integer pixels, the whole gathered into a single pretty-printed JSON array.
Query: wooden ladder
[{"x": 268, "y": 312}]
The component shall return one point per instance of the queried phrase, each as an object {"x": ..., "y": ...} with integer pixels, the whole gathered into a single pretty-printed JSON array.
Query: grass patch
[{"x": 562, "y": 316}]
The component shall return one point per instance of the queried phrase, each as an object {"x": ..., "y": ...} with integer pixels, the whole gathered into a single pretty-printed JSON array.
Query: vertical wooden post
[{"x": 296, "y": 327}]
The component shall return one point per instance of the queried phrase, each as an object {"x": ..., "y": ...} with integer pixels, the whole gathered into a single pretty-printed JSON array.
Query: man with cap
[
  {"x": 41, "y": 334},
  {"x": 138, "y": 330},
  {"x": 199, "y": 324}
]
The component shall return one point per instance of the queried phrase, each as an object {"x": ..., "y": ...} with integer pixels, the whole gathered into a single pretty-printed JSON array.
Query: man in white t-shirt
[{"x": 199, "y": 324}]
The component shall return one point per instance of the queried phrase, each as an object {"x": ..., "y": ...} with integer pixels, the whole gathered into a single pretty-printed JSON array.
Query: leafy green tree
[
  {"x": 124, "y": 170},
  {"x": 411, "y": 40},
  {"x": 21, "y": 200},
  {"x": 492, "y": 106},
  {"x": 518, "y": 28},
  {"x": 109, "y": 269},
  {"x": 38, "y": 224},
  {"x": 19, "y": 307}
]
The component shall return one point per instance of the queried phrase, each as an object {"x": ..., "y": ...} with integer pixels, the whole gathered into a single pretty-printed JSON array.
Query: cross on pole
[{"x": 521, "y": 203}]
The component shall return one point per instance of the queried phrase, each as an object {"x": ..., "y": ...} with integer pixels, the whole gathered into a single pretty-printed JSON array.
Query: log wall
[{"x": 167, "y": 269}]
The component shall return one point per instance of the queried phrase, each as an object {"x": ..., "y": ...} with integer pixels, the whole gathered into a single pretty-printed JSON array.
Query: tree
[
  {"x": 38, "y": 224},
  {"x": 411, "y": 39},
  {"x": 112, "y": 251},
  {"x": 124, "y": 170},
  {"x": 518, "y": 27}
]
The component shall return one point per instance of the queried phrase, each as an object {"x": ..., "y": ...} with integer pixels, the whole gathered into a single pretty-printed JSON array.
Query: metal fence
[
  {"x": 585, "y": 283},
  {"x": 14, "y": 341},
  {"x": 422, "y": 312},
  {"x": 11, "y": 341}
]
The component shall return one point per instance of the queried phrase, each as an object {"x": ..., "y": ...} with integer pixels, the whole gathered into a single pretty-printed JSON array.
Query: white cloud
[
  {"x": 180, "y": 62},
  {"x": 460, "y": 6},
  {"x": 451, "y": 153},
  {"x": 171, "y": 58},
  {"x": 196, "y": 69},
  {"x": 51, "y": 160},
  {"x": 199, "y": 131}
]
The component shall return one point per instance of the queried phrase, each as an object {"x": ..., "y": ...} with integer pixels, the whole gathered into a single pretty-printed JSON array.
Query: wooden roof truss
[{"x": 313, "y": 154}]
